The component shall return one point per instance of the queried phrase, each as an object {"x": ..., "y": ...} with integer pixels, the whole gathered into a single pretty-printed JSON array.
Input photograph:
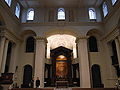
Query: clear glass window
[
  {"x": 8, "y": 2},
  {"x": 92, "y": 13},
  {"x": 30, "y": 14},
  {"x": 113, "y": 2},
  {"x": 17, "y": 10},
  {"x": 105, "y": 9},
  {"x": 61, "y": 14}
]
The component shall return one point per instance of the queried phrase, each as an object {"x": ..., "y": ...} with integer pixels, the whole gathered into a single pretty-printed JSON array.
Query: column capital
[
  {"x": 40, "y": 38},
  {"x": 81, "y": 38}
]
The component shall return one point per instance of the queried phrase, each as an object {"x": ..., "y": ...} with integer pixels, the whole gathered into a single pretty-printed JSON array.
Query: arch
[
  {"x": 27, "y": 32},
  {"x": 94, "y": 32},
  {"x": 96, "y": 76},
  {"x": 54, "y": 32},
  {"x": 27, "y": 77},
  {"x": 60, "y": 32}
]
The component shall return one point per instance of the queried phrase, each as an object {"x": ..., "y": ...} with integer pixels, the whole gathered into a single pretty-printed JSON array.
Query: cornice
[
  {"x": 9, "y": 11},
  {"x": 112, "y": 34},
  {"x": 81, "y": 38},
  {"x": 113, "y": 10},
  {"x": 8, "y": 34},
  {"x": 63, "y": 24},
  {"x": 39, "y": 38}
]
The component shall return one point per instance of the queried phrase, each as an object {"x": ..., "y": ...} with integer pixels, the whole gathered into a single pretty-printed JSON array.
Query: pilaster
[
  {"x": 4, "y": 56},
  {"x": 83, "y": 62},
  {"x": 2, "y": 43},
  {"x": 40, "y": 59},
  {"x": 118, "y": 49}
]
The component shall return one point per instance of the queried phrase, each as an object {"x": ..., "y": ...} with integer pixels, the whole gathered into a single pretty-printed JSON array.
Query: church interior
[{"x": 64, "y": 43}]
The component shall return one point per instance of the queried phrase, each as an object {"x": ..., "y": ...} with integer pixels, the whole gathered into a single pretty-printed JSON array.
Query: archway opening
[{"x": 65, "y": 40}]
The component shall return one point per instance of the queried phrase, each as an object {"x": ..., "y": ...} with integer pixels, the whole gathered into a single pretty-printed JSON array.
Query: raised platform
[
  {"x": 32, "y": 89},
  {"x": 63, "y": 89},
  {"x": 93, "y": 89}
]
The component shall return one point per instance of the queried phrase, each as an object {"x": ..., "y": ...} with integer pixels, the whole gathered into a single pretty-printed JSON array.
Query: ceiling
[{"x": 60, "y": 3}]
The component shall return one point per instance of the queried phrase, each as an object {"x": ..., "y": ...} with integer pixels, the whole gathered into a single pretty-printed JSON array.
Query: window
[
  {"x": 114, "y": 1},
  {"x": 93, "y": 44},
  {"x": 105, "y": 9},
  {"x": 17, "y": 10},
  {"x": 30, "y": 44},
  {"x": 92, "y": 13},
  {"x": 61, "y": 14},
  {"x": 8, "y": 2},
  {"x": 30, "y": 14}
]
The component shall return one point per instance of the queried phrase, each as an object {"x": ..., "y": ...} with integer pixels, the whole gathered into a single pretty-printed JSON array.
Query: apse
[{"x": 64, "y": 40}]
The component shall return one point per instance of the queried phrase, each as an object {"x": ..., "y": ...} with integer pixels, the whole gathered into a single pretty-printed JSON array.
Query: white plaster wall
[
  {"x": 42, "y": 28},
  {"x": 42, "y": 14},
  {"x": 24, "y": 59}
]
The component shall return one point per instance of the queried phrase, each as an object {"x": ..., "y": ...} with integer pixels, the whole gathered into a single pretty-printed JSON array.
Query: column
[
  {"x": 2, "y": 43},
  {"x": 4, "y": 56},
  {"x": 40, "y": 60},
  {"x": 118, "y": 49},
  {"x": 14, "y": 55},
  {"x": 83, "y": 63}
]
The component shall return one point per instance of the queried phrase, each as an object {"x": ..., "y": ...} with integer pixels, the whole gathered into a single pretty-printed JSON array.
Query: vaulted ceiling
[{"x": 60, "y": 3}]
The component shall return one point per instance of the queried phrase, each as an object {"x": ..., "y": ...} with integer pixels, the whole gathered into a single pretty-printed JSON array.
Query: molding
[
  {"x": 38, "y": 38},
  {"x": 62, "y": 23},
  {"x": 9, "y": 35},
  {"x": 114, "y": 9},
  {"x": 9, "y": 11},
  {"x": 111, "y": 35},
  {"x": 81, "y": 38}
]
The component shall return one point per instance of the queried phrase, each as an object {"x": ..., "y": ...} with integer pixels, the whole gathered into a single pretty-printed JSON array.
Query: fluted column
[
  {"x": 40, "y": 59},
  {"x": 2, "y": 43},
  {"x": 4, "y": 56},
  {"x": 83, "y": 62},
  {"x": 118, "y": 49}
]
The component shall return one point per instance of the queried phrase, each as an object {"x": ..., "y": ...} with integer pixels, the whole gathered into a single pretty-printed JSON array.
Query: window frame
[
  {"x": 28, "y": 11},
  {"x": 105, "y": 9},
  {"x": 64, "y": 14},
  {"x": 9, "y": 2},
  {"x": 30, "y": 41},
  {"x": 92, "y": 17},
  {"x": 113, "y": 2},
  {"x": 17, "y": 10}
]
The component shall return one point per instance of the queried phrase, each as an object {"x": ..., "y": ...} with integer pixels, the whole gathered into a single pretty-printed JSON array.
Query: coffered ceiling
[{"x": 60, "y": 3}]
